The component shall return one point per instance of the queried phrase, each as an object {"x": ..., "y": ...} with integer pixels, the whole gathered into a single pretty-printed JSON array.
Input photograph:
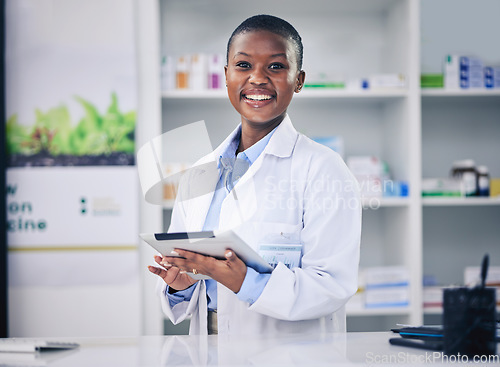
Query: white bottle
[
  {"x": 198, "y": 72},
  {"x": 216, "y": 71},
  {"x": 167, "y": 73}
]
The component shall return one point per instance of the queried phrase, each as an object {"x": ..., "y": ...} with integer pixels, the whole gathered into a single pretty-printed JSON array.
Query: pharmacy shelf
[
  {"x": 433, "y": 310},
  {"x": 415, "y": 129},
  {"x": 439, "y": 92},
  {"x": 375, "y": 203},
  {"x": 380, "y": 94},
  {"x": 462, "y": 201}
]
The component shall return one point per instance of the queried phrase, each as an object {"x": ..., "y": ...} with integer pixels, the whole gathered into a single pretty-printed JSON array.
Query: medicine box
[
  {"x": 442, "y": 187},
  {"x": 492, "y": 76},
  {"x": 451, "y": 71},
  {"x": 335, "y": 143},
  {"x": 381, "y": 81},
  {"x": 386, "y": 276},
  {"x": 368, "y": 171},
  {"x": 433, "y": 296},
  {"x": 471, "y": 72},
  {"x": 432, "y": 80},
  {"x": 387, "y": 297},
  {"x": 386, "y": 286}
]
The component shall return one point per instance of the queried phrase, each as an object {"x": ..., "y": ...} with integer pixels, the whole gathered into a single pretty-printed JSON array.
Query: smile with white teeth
[{"x": 255, "y": 97}]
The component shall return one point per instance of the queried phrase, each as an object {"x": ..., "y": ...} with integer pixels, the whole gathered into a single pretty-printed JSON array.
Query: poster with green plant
[{"x": 97, "y": 139}]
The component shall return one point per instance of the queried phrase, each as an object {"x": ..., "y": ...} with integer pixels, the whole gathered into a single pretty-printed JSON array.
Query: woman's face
[{"x": 261, "y": 77}]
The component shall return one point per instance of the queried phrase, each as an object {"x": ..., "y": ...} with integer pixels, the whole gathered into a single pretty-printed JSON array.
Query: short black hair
[{"x": 270, "y": 23}]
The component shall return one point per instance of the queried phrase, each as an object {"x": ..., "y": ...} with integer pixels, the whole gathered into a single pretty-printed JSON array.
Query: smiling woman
[
  {"x": 262, "y": 74},
  {"x": 263, "y": 71}
]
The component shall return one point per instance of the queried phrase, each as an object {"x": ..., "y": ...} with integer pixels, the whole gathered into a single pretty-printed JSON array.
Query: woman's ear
[{"x": 300, "y": 81}]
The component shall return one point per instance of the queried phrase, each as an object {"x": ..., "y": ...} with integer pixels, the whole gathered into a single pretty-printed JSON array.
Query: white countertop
[{"x": 289, "y": 350}]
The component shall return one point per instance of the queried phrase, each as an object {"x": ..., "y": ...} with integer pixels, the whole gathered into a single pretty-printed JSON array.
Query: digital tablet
[{"x": 207, "y": 243}]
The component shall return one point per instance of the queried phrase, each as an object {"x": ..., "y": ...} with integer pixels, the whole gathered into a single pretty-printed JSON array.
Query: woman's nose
[{"x": 258, "y": 76}]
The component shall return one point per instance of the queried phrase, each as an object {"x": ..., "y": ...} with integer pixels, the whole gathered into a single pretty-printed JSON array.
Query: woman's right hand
[{"x": 171, "y": 275}]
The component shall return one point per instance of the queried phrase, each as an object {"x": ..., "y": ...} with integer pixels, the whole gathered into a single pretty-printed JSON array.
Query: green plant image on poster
[{"x": 96, "y": 140}]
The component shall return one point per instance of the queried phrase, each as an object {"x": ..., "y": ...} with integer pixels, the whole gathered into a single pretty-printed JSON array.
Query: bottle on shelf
[
  {"x": 483, "y": 181},
  {"x": 465, "y": 170},
  {"x": 182, "y": 72},
  {"x": 167, "y": 73},
  {"x": 216, "y": 71},
  {"x": 198, "y": 72}
]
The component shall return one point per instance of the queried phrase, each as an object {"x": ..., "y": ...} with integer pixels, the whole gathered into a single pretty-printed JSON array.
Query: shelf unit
[
  {"x": 363, "y": 37},
  {"x": 458, "y": 124},
  {"x": 439, "y": 92},
  {"x": 471, "y": 201}
]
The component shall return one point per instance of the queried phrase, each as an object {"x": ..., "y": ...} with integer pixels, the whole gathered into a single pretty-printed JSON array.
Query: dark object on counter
[{"x": 469, "y": 319}]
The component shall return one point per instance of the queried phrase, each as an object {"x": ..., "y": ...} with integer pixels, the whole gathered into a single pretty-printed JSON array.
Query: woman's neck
[{"x": 252, "y": 133}]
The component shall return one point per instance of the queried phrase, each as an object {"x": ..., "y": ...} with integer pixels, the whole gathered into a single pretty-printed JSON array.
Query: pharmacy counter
[{"x": 321, "y": 350}]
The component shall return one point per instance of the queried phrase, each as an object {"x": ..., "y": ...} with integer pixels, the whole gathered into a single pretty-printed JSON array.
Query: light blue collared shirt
[{"x": 231, "y": 169}]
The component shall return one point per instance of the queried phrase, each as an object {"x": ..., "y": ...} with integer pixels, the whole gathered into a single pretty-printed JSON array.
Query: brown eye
[
  {"x": 243, "y": 64},
  {"x": 276, "y": 66}
]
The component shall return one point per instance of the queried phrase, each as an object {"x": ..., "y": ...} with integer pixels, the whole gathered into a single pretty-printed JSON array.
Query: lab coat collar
[
  {"x": 283, "y": 140},
  {"x": 281, "y": 143}
]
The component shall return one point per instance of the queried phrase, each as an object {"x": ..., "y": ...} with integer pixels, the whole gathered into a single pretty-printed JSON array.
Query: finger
[
  {"x": 188, "y": 260},
  {"x": 168, "y": 276},
  {"x": 158, "y": 271},
  {"x": 171, "y": 275},
  {"x": 158, "y": 259},
  {"x": 231, "y": 257},
  {"x": 189, "y": 255},
  {"x": 175, "y": 262}
]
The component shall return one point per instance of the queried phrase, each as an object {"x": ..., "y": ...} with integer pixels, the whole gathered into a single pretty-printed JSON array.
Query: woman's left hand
[{"x": 229, "y": 272}]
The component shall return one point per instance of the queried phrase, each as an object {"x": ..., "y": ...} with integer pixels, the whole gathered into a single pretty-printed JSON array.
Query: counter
[{"x": 342, "y": 349}]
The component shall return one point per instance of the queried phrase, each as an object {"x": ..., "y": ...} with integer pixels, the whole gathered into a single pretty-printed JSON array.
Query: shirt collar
[{"x": 251, "y": 153}]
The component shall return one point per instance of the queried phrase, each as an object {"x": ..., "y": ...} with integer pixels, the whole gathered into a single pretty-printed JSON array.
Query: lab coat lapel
[
  {"x": 281, "y": 145},
  {"x": 206, "y": 174},
  {"x": 199, "y": 203},
  {"x": 240, "y": 205}
]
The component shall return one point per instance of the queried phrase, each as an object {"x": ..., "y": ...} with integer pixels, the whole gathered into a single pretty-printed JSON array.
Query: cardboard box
[
  {"x": 471, "y": 72},
  {"x": 451, "y": 71}
]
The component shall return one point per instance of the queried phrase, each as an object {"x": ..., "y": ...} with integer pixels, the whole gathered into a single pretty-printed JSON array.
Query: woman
[{"x": 275, "y": 187}]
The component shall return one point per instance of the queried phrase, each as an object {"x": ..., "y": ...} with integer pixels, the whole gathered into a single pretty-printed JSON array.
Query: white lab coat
[{"x": 296, "y": 192}]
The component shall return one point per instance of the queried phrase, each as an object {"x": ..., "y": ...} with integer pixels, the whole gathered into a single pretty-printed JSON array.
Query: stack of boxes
[
  {"x": 374, "y": 178},
  {"x": 386, "y": 286},
  {"x": 464, "y": 72}
]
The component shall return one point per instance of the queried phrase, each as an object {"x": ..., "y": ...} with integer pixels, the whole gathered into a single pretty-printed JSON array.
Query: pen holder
[{"x": 469, "y": 321}]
